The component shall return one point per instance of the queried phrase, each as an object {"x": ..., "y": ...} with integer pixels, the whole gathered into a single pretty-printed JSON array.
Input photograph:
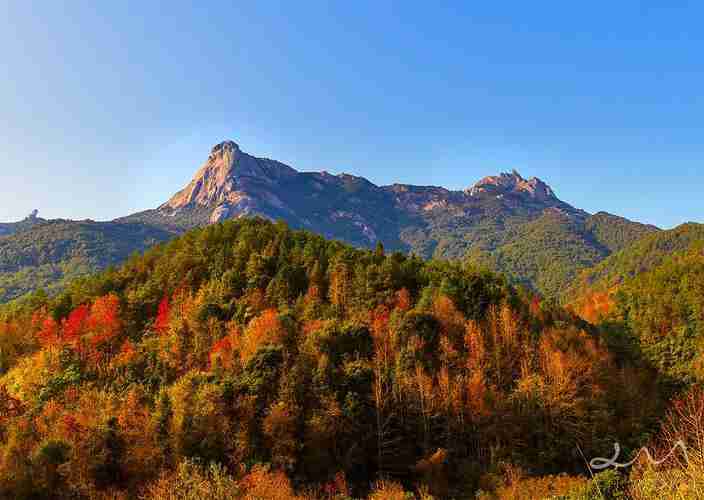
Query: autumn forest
[{"x": 247, "y": 360}]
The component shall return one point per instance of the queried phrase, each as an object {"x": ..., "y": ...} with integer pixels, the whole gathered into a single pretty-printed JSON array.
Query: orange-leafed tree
[
  {"x": 262, "y": 483},
  {"x": 267, "y": 328},
  {"x": 340, "y": 286},
  {"x": 404, "y": 301},
  {"x": 224, "y": 352}
]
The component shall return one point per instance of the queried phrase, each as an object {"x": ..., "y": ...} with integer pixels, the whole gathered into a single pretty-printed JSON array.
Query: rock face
[
  {"x": 514, "y": 183},
  {"x": 227, "y": 181}
]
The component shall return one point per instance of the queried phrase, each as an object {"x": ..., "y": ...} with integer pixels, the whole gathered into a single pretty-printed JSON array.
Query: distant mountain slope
[
  {"x": 548, "y": 252},
  {"x": 516, "y": 225},
  {"x": 616, "y": 233},
  {"x": 642, "y": 256},
  {"x": 49, "y": 253}
]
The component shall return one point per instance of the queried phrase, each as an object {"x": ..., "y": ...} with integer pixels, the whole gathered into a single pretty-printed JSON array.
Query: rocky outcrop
[
  {"x": 515, "y": 184},
  {"x": 232, "y": 183},
  {"x": 33, "y": 219}
]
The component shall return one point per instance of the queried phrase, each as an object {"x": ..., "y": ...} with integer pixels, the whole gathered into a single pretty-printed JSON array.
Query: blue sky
[{"x": 109, "y": 109}]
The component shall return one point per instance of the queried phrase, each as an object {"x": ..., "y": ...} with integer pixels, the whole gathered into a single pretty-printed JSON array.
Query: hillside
[
  {"x": 663, "y": 308},
  {"x": 47, "y": 254},
  {"x": 644, "y": 255},
  {"x": 247, "y": 360},
  {"x": 546, "y": 254}
]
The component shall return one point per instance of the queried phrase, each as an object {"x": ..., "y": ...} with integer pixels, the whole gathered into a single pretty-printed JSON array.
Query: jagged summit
[
  {"x": 232, "y": 183},
  {"x": 513, "y": 182},
  {"x": 226, "y": 180},
  {"x": 227, "y": 146}
]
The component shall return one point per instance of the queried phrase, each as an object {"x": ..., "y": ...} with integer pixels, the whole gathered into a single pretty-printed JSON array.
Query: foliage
[
  {"x": 249, "y": 359},
  {"x": 643, "y": 255},
  {"x": 547, "y": 252},
  {"x": 663, "y": 309},
  {"x": 49, "y": 254},
  {"x": 540, "y": 244}
]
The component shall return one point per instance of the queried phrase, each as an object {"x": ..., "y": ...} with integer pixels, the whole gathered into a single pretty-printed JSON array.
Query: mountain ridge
[
  {"x": 514, "y": 225},
  {"x": 224, "y": 179},
  {"x": 232, "y": 183},
  {"x": 486, "y": 220}
]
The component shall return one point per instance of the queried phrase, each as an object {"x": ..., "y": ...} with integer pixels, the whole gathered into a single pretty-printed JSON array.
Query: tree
[
  {"x": 280, "y": 426},
  {"x": 340, "y": 286},
  {"x": 379, "y": 250},
  {"x": 161, "y": 323},
  {"x": 104, "y": 326},
  {"x": 267, "y": 328}
]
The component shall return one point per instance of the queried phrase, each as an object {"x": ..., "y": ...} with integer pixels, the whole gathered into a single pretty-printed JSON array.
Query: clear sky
[{"x": 107, "y": 108}]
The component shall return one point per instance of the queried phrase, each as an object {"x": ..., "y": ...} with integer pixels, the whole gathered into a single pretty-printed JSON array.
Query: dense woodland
[
  {"x": 643, "y": 255},
  {"x": 247, "y": 360},
  {"x": 40, "y": 254}
]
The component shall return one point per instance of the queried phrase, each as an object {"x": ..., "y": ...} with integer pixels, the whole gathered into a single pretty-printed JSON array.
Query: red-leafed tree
[
  {"x": 73, "y": 327},
  {"x": 104, "y": 326},
  {"x": 161, "y": 324},
  {"x": 49, "y": 333}
]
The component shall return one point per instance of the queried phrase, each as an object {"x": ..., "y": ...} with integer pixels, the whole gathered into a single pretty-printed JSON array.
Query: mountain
[
  {"x": 518, "y": 226},
  {"x": 233, "y": 184},
  {"x": 513, "y": 225},
  {"x": 46, "y": 254}
]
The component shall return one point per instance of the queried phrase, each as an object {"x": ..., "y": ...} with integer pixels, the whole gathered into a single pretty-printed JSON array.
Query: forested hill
[
  {"x": 247, "y": 360},
  {"x": 548, "y": 253},
  {"x": 642, "y": 256},
  {"x": 663, "y": 310},
  {"x": 41, "y": 254}
]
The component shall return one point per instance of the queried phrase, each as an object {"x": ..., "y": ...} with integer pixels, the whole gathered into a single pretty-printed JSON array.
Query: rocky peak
[
  {"x": 513, "y": 183},
  {"x": 225, "y": 147},
  {"x": 222, "y": 179}
]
